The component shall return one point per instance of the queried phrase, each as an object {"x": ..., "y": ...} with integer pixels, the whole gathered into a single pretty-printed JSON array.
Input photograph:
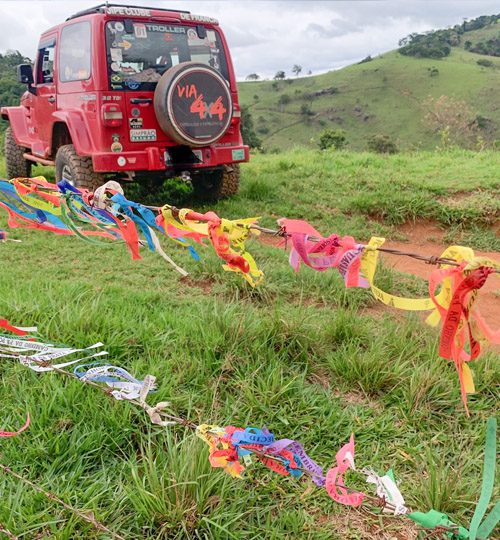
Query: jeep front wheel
[
  {"x": 218, "y": 184},
  {"x": 76, "y": 169},
  {"x": 16, "y": 164}
]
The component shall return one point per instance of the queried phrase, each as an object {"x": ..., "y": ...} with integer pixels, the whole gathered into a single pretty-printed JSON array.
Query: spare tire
[{"x": 193, "y": 104}]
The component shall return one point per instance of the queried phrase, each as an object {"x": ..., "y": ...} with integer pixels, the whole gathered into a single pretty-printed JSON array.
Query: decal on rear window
[{"x": 137, "y": 60}]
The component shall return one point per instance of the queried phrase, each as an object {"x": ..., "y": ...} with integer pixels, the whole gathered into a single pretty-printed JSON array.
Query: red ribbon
[
  {"x": 453, "y": 334},
  {"x": 14, "y": 433}
]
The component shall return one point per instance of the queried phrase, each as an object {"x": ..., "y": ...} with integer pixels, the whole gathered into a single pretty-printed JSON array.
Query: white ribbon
[{"x": 387, "y": 490}]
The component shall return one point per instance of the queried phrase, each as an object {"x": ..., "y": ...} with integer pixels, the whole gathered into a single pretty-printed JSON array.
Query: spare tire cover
[{"x": 193, "y": 104}]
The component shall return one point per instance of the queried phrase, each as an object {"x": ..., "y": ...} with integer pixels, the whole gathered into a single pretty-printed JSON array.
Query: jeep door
[{"x": 44, "y": 102}]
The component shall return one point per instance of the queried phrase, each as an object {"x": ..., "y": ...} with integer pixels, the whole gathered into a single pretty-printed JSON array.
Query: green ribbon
[
  {"x": 478, "y": 529},
  {"x": 433, "y": 519}
]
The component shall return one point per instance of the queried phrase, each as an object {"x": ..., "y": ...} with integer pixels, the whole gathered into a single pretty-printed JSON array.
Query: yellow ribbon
[
  {"x": 369, "y": 262},
  {"x": 40, "y": 204}
]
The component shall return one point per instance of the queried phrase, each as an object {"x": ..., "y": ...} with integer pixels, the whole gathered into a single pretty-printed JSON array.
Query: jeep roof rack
[{"x": 98, "y": 8}]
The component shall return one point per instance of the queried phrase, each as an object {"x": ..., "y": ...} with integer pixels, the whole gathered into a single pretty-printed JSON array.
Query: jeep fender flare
[
  {"x": 78, "y": 130},
  {"x": 16, "y": 116}
]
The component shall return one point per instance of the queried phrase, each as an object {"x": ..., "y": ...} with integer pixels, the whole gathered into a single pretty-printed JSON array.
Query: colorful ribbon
[{"x": 20, "y": 430}]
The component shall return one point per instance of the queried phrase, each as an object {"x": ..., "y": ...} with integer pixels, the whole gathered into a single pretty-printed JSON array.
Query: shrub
[
  {"x": 305, "y": 109},
  {"x": 332, "y": 138},
  {"x": 366, "y": 59},
  {"x": 484, "y": 62},
  {"x": 283, "y": 100},
  {"x": 247, "y": 128},
  {"x": 382, "y": 144}
]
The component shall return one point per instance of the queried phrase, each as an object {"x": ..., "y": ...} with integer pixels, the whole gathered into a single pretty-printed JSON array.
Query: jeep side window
[
  {"x": 45, "y": 65},
  {"x": 74, "y": 52}
]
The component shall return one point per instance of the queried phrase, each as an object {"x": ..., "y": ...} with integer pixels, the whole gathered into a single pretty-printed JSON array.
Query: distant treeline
[
  {"x": 438, "y": 43},
  {"x": 10, "y": 89}
]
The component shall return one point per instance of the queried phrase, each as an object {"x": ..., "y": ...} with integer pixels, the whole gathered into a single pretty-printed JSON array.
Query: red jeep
[{"x": 130, "y": 92}]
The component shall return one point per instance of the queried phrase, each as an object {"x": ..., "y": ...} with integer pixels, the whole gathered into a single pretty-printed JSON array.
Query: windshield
[{"x": 138, "y": 58}]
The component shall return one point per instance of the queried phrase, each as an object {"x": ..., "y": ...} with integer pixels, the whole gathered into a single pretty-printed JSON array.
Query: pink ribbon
[
  {"x": 335, "y": 485},
  {"x": 14, "y": 433}
]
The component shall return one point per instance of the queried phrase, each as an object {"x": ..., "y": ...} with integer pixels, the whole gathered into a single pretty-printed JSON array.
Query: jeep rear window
[{"x": 137, "y": 59}]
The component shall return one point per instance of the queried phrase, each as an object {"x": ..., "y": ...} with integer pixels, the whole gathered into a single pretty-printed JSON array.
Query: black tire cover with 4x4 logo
[{"x": 193, "y": 104}]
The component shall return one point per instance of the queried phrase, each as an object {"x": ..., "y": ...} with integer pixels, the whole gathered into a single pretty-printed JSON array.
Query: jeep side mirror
[{"x": 25, "y": 73}]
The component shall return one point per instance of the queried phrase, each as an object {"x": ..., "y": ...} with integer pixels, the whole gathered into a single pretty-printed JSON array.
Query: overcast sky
[{"x": 267, "y": 36}]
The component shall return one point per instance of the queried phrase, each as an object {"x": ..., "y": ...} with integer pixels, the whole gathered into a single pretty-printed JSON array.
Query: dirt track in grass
[{"x": 427, "y": 239}]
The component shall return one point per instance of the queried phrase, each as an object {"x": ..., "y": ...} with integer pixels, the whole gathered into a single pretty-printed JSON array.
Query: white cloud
[{"x": 266, "y": 36}]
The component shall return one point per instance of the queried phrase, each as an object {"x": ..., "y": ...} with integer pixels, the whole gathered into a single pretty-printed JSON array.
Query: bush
[
  {"x": 305, "y": 109},
  {"x": 366, "y": 59},
  {"x": 382, "y": 144},
  {"x": 332, "y": 138},
  {"x": 284, "y": 99},
  {"x": 247, "y": 128},
  {"x": 484, "y": 62}
]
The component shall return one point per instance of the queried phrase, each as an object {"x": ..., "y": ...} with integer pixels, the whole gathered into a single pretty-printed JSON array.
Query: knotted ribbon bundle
[
  {"x": 226, "y": 236},
  {"x": 323, "y": 253}
]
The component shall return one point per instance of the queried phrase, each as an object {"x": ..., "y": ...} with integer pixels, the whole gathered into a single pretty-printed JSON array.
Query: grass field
[
  {"x": 386, "y": 95},
  {"x": 300, "y": 355}
]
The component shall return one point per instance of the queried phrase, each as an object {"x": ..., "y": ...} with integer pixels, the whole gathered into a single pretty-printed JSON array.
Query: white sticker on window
[
  {"x": 211, "y": 36},
  {"x": 116, "y": 55},
  {"x": 140, "y": 31}
]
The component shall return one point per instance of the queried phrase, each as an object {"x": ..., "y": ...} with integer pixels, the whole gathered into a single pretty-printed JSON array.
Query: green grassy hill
[{"x": 385, "y": 95}]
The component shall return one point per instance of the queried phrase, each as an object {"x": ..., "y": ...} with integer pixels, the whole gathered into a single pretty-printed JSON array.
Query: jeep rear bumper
[{"x": 157, "y": 159}]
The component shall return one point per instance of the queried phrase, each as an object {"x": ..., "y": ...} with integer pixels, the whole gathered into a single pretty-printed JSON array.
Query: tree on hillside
[
  {"x": 332, "y": 138},
  {"x": 247, "y": 129},
  {"x": 283, "y": 100},
  {"x": 382, "y": 144},
  {"x": 452, "y": 119},
  {"x": 10, "y": 90},
  {"x": 297, "y": 69},
  {"x": 280, "y": 75},
  {"x": 438, "y": 43},
  {"x": 253, "y": 77}
]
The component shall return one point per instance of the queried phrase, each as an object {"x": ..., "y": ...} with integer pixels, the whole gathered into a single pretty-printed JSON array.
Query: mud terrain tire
[
  {"x": 17, "y": 166},
  {"x": 77, "y": 169},
  {"x": 218, "y": 184}
]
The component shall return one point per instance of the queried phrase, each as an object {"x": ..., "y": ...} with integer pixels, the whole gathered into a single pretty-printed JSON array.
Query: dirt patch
[
  {"x": 204, "y": 284},
  {"x": 427, "y": 239},
  {"x": 322, "y": 377},
  {"x": 354, "y": 524}
]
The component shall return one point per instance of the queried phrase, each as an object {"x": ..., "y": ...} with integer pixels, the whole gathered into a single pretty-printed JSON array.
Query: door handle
[{"x": 51, "y": 99}]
